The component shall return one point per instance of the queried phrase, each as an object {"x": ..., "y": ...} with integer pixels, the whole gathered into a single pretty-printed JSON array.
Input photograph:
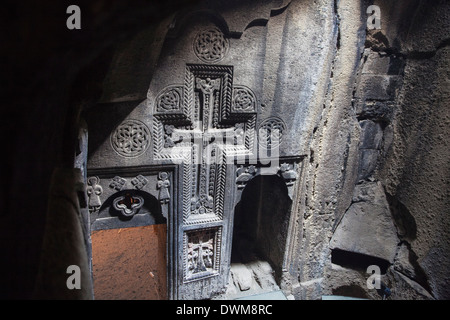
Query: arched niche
[{"x": 261, "y": 222}]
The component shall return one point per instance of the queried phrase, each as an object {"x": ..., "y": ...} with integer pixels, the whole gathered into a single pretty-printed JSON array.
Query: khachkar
[
  {"x": 204, "y": 125},
  {"x": 207, "y": 127}
]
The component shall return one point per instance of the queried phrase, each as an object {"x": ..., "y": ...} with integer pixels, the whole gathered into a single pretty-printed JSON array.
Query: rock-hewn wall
[{"x": 379, "y": 167}]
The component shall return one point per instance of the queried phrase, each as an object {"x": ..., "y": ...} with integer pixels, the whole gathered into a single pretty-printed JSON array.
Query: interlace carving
[
  {"x": 169, "y": 100},
  {"x": 131, "y": 138},
  {"x": 117, "y": 183},
  {"x": 210, "y": 45},
  {"x": 128, "y": 205},
  {"x": 202, "y": 252},
  {"x": 243, "y": 100},
  {"x": 139, "y": 182}
]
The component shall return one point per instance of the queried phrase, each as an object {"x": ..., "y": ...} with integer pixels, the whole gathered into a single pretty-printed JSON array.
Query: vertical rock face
[{"x": 400, "y": 95}]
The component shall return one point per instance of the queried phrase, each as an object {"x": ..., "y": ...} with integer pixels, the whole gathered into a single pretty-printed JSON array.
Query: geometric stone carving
[
  {"x": 131, "y": 138},
  {"x": 170, "y": 99},
  {"x": 210, "y": 45},
  {"x": 139, "y": 182},
  {"x": 202, "y": 252},
  {"x": 244, "y": 99},
  {"x": 202, "y": 123},
  {"x": 128, "y": 205},
  {"x": 117, "y": 183},
  {"x": 94, "y": 190}
]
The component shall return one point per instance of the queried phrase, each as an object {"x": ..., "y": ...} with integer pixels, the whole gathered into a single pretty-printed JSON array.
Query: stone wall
[{"x": 378, "y": 185}]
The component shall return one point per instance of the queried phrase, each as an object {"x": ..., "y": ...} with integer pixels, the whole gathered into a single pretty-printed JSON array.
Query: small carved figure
[
  {"x": 163, "y": 186},
  {"x": 94, "y": 190}
]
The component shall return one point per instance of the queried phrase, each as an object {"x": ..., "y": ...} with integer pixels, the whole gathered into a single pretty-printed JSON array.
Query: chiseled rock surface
[{"x": 367, "y": 226}]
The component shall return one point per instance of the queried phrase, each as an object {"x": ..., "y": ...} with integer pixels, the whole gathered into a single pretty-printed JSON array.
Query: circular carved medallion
[
  {"x": 131, "y": 138},
  {"x": 210, "y": 45}
]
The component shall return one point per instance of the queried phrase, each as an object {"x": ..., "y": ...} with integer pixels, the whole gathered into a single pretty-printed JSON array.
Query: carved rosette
[
  {"x": 131, "y": 138},
  {"x": 210, "y": 45},
  {"x": 270, "y": 133},
  {"x": 170, "y": 99}
]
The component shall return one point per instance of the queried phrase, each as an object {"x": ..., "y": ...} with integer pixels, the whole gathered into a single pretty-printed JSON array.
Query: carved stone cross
[{"x": 202, "y": 123}]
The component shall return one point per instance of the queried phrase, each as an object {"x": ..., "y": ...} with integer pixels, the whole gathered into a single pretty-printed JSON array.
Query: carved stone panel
[
  {"x": 208, "y": 107},
  {"x": 202, "y": 253},
  {"x": 129, "y": 199}
]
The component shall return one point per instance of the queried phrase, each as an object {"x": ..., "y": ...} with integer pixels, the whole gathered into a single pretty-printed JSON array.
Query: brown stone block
[{"x": 130, "y": 264}]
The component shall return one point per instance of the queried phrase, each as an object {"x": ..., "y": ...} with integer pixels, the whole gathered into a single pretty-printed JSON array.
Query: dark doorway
[{"x": 261, "y": 223}]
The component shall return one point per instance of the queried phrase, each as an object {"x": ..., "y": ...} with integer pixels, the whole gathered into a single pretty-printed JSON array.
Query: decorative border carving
[{"x": 94, "y": 190}]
